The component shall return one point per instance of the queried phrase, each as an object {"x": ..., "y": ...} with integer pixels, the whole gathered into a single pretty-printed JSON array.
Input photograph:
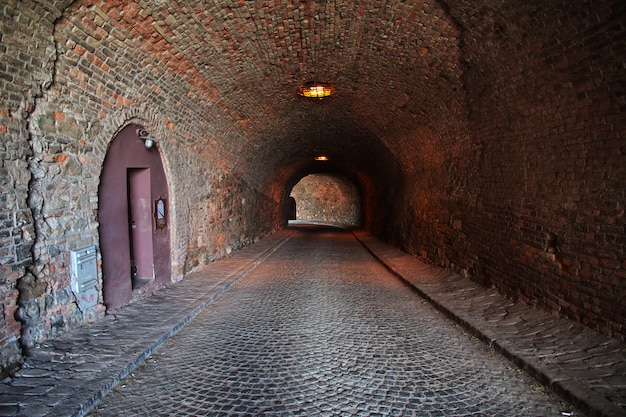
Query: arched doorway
[
  {"x": 327, "y": 199},
  {"x": 132, "y": 212}
]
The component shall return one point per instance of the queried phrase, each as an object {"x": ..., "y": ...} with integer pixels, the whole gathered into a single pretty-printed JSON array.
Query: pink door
[{"x": 140, "y": 225}]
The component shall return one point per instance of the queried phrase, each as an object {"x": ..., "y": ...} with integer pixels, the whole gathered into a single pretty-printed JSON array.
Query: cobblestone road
[{"x": 322, "y": 329}]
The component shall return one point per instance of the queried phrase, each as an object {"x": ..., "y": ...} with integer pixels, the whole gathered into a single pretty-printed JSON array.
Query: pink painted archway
[{"x": 134, "y": 238}]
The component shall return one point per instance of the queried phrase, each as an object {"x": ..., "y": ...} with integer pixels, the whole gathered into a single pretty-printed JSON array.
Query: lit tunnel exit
[{"x": 329, "y": 199}]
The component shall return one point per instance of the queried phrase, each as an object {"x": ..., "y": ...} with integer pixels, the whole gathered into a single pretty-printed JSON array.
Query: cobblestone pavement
[
  {"x": 67, "y": 376},
  {"x": 581, "y": 365},
  {"x": 320, "y": 328}
]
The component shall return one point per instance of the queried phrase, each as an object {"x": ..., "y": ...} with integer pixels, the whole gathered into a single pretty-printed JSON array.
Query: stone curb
[{"x": 431, "y": 285}]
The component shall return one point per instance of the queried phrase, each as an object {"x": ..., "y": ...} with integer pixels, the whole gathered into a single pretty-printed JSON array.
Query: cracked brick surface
[{"x": 322, "y": 329}]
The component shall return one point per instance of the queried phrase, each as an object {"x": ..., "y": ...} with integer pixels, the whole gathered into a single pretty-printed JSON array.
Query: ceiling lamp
[
  {"x": 316, "y": 90},
  {"x": 321, "y": 158}
]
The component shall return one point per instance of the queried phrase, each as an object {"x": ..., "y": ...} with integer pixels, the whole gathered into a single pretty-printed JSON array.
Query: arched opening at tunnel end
[{"x": 327, "y": 199}]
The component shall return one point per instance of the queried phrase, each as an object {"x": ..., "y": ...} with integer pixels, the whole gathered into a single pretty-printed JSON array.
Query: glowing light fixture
[
  {"x": 316, "y": 90},
  {"x": 321, "y": 158}
]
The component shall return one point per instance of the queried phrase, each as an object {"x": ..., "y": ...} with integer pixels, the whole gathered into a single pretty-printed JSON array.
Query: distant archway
[
  {"x": 132, "y": 212},
  {"x": 323, "y": 198}
]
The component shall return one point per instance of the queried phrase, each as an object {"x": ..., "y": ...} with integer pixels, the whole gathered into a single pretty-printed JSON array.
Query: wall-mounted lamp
[
  {"x": 550, "y": 243},
  {"x": 144, "y": 135}
]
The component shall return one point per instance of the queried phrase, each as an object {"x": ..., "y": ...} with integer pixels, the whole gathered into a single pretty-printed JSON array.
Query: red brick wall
[
  {"x": 545, "y": 156},
  {"x": 550, "y": 123}
]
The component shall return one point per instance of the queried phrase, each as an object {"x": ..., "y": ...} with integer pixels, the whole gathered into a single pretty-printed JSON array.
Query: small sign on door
[{"x": 160, "y": 212}]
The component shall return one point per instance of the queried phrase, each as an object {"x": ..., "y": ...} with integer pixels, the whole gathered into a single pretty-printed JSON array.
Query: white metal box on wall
[{"x": 84, "y": 276}]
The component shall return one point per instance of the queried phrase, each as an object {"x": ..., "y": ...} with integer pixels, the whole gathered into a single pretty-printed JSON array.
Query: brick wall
[
  {"x": 73, "y": 80},
  {"x": 531, "y": 198},
  {"x": 107, "y": 75},
  {"x": 550, "y": 125},
  {"x": 25, "y": 71}
]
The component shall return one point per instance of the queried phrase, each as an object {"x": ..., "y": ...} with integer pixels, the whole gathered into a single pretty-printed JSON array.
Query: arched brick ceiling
[{"x": 395, "y": 65}]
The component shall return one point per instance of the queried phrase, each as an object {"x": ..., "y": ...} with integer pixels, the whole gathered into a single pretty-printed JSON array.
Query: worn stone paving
[
  {"x": 581, "y": 365},
  {"x": 69, "y": 375},
  {"x": 320, "y": 328}
]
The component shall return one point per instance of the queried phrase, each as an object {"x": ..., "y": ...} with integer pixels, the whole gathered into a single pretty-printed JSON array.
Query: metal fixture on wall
[
  {"x": 551, "y": 243},
  {"x": 144, "y": 135}
]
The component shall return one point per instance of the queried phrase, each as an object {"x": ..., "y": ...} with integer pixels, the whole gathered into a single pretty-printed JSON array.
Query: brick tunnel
[{"x": 485, "y": 138}]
